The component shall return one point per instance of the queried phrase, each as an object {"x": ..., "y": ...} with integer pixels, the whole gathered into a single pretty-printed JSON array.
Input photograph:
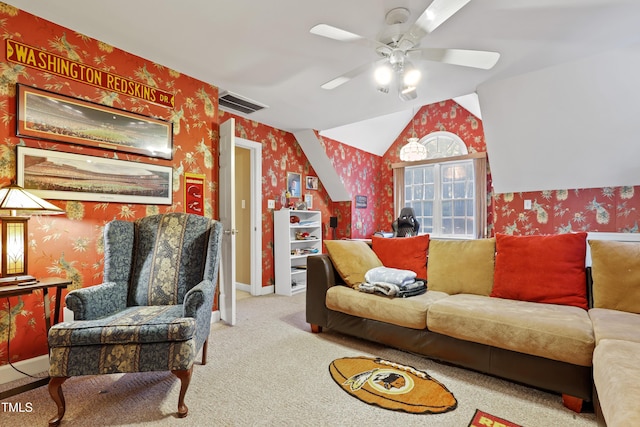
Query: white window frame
[
  {"x": 445, "y": 193},
  {"x": 480, "y": 181}
]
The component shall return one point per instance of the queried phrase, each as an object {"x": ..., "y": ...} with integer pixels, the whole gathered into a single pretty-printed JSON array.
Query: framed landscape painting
[
  {"x": 67, "y": 176},
  {"x": 47, "y": 115}
]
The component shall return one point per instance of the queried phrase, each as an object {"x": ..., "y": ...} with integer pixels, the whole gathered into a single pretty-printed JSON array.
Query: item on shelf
[
  {"x": 302, "y": 235},
  {"x": 294, "y": 219}
]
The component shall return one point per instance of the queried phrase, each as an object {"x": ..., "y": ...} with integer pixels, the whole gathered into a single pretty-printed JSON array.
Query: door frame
[{"x": 255, "y": 149}]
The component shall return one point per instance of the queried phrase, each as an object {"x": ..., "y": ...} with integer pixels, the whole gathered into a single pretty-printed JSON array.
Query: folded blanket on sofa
[
  {"x": 394, "y": 276},
  {"x": 417, "y": 287}
]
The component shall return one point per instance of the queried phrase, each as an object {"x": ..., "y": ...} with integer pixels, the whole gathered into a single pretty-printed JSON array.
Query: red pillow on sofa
[
  {"x": 406, "y": 253},
  {"x": 548, "y": 269}
]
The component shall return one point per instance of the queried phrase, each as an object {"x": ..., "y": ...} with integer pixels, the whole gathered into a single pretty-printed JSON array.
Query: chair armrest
[
  {"x": 97, "y": 301},
  {"x": 198, "y": 304}
]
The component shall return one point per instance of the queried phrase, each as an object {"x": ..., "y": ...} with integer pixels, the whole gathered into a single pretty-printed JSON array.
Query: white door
[{"x": 226, "y": 201}]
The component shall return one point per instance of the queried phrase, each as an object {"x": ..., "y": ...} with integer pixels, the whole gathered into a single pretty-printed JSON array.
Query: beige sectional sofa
[
  {"x": 616, "y": 326},
  {"x": 559, "y": 343}
]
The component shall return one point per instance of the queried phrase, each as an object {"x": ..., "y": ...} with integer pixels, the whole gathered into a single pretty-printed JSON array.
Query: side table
[{"x": 26, "y": 289}]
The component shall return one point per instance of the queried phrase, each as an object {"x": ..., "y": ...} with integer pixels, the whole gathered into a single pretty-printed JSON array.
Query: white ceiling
[{"x": 263, "y": 50}]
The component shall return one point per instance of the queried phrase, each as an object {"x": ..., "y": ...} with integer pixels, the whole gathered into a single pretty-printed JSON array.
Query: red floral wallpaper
[
  {"x": 360, "y": 174},
  {"x": 71, "y": 245},
  {"x": 564, "y": 211}
]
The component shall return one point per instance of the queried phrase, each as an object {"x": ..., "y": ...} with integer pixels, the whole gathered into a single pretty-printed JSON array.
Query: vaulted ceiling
[{"x": 263, "y": 50}]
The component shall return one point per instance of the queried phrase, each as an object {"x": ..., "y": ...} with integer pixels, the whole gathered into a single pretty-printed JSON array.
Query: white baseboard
[
  {"x": 267, "y": 290},
  {"x": 31, "y": 366},
  {"x": 243, "y": 287}
]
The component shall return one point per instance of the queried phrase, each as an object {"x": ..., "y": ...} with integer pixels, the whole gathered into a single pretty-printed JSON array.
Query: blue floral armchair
[{"x": 153, "y": 311}]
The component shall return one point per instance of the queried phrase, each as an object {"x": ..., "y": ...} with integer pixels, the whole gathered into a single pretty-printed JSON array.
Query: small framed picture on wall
[
  {"x": 311, "y": 183},
  {"x": 293, "y": 184}
]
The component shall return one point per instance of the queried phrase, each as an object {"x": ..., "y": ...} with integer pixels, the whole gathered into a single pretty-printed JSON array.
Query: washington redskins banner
[{"x": 29, "y": 56}]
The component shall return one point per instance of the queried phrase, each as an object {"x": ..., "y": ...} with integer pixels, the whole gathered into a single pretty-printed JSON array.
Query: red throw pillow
[
  {"x": 406, "y": 253},
  {"x": 548, "y": 269}
]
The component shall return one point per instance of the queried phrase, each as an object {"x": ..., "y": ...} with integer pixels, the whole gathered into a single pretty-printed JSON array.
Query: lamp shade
[
  {"x": 413, "y": 151},
  {"x": 17, "y": 200}
]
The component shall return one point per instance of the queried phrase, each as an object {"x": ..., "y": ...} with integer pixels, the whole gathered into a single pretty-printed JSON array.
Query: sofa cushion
[
  {"x": 615, "y": 268},
  {"x": 548, "y": 269},
  {"x": 352, "y": 259},
  {"x": 557, "y": 332},
  {"x": 404, "y": 253},
  {"x": 407, "y": 312},
  {"x": 134, "y": 325},
  {"x": 616, "y": 375},
  {"x": 614, "y": 324},
  {"x": 462, "y": 266}
]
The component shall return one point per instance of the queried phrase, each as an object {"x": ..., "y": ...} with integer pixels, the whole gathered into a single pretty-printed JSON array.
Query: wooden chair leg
[
  {"x": 55, "y": 390},
  {"x": 204, "y": 352},
  {"x": 316, "y": 329},
  {"x": 185, "y": 379},
  {"x": 573, "y": 403}
]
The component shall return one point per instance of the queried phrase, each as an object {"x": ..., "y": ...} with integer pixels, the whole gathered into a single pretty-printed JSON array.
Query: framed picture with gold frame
[
  {"x": 69, "y": 176},
  {"x": 47, "y": 115}
]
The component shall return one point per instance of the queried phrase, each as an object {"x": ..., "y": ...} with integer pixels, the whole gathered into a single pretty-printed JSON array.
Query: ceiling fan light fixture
[
  {"x": 408, "y": 95},
  {"x": 383, "y": 75},
  {"x": 407, "y": 89},
  {"x": 406, "y": 92},
  {"x": 411, "y": 77}
]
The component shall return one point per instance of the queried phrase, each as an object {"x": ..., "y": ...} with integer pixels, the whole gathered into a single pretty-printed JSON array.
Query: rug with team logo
[{"x": 391, "y": 385}]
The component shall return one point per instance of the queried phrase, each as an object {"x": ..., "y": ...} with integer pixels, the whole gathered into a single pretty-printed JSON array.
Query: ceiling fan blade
[
  {"x": 340, "y": 80},
  {"x": 467, "y": 58},
  {"x": 433, "y": 16},
  {"x": 335, "y": 33}
]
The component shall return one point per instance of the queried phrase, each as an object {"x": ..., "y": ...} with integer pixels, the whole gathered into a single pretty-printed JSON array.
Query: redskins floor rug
[
  {"x": 391, "y": 385},
  {"x": 482, "y": 419}
]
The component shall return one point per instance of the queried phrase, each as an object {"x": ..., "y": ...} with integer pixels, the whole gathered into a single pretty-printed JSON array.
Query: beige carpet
[{"x": 270, "y": 369}]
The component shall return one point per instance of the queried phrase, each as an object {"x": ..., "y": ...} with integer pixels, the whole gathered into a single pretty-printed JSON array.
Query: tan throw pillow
[
  {"x": 352, "y": 259},
  {"x": 461, "y": 266},
  {"x": 615, "y": 268}
]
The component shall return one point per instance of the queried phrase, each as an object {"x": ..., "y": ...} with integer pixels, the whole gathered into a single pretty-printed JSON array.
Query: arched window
[{"x": 443, "y": 144}]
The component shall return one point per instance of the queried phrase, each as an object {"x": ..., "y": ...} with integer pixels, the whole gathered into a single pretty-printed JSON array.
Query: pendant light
[{"x": 413, "y": 150}]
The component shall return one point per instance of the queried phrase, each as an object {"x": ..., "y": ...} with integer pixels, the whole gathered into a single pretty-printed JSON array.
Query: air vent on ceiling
[{"x": 236, "y": 103}]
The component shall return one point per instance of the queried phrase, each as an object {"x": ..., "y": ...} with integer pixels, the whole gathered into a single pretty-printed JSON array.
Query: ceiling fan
[{"x": 396, "y": 53}]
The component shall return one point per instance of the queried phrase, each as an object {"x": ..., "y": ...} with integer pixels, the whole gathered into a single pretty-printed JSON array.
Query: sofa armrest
[
  {"x": 321, "y": 275},
  {"x": 97, "y": 301}
]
